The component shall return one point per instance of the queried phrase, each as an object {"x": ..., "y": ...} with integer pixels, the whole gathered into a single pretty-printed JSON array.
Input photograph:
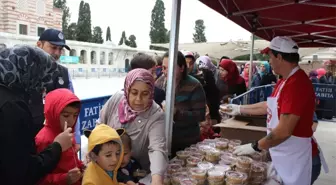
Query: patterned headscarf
[
  {"x": 125, "y": 112},
  {"x": 26, "y": 69},
  {"x": 204, "y": 62}
]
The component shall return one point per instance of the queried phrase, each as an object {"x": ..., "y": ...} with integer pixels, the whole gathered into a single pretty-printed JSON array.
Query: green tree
[
  {"x": 83, "y": 31},
  {"x": 199, "y": 35},
  {"x": 97, "y": 36},
  {"x": 158, "y": 32},
  {"x": 132, "y": 41},
  {"x": 168, "y": 36},
  {"x": 72, "y": 31},
  {"x": 123, "y": 39},
  {"x": 108, "y": 34},
  {"x": 61, "y": 4}
]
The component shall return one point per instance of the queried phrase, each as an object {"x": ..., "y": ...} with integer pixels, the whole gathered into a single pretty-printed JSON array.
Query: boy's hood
[
  {"x": 102, "y": 134},
  {"x": 55, "y": 102}
]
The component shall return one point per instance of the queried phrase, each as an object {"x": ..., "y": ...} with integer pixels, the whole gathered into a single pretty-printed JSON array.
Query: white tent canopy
[{"x": 232, "y": 48}]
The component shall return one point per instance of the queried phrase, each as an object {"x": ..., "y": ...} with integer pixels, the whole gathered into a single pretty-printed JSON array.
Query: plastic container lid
[
  {"x": 183, "y": 153},
  {"x": 236, "y": 141},
  {"x": 187, "y": 181},
  {"x": 233, "y": 176},
  {"x": 193, "y": 160},
  {"x": 176, "y": 161},
  {"x": 197, "y": 171},
  {"x": 222, "y": 144},
  {"x": 244, "y": 161},
  {"x": 209, "y": 141},
  {"x": 205, "y": 148},
  {"x": 257, "y": 169},
  {"x": 213, "y": 151},
  {"x": 225, "y": 155},
  {"x": 222, "y": 139},
  {"x": 197, "y": 155},
  {"x": 191, "y": 150},
  {"x": 193, "y": 146},
  {"x": 205, "y": 165},
  {"x": 222, "y": 167},
  {"x": 174, "y": 167},
  {"x": 215, "y": 173}
]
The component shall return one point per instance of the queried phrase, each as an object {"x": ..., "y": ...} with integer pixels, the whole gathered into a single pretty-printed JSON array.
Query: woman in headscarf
[
  {"x": 266, "y": 74},
  {"x": 326, "y": 78},
  {"x": 313, "y": 76},
  {"x": 229, "y": 73},
  {"x": 204, "y": 62},
  {"x": 25, "y": 71},
  {"x": 256, "y": 79},
  {"x": 135, "y": 110},
  {"x": 320, "y": 72},
  {"x": 210, "y": 74}
]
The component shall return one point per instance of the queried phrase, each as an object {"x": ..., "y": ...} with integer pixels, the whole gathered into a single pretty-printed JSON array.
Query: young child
[
  {"x": 106, "y": 153},
  {"x": 61, "y": 111},
  {"x": 130, "y": 171},
  {"x": 206, "y": 127}
]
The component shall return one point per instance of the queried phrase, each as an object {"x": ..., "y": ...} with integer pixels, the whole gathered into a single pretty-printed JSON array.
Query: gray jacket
[{"x": 147, "y": 132}]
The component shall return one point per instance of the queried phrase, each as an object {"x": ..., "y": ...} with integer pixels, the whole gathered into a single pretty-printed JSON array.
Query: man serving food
[{"x": 289, "y": 111}]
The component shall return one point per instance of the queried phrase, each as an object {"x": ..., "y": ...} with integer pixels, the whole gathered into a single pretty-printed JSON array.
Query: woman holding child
[{"x": 136, "y": 112}]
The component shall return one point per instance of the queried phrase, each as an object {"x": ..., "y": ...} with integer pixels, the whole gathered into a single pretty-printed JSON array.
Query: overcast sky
[{"x": 134, "y": 17}]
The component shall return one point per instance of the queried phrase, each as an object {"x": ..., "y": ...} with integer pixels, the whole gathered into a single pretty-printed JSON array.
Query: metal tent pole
[
  {"x": 251, "y": 61},
  {"x": 170, "y": 90}
]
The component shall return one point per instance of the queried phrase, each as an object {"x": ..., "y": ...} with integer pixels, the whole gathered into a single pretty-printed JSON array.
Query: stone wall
[{"x": 33, "y": 13}]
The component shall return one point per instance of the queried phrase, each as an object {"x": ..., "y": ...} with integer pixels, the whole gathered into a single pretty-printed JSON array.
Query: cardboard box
[{"x": 245, "y": 128}]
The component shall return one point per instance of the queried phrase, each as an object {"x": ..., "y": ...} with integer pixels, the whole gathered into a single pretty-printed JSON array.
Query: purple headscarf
[
  {"x": 204, "y": 62},
  {"x": 125, "y": 111},
  {"x": 313, "y": 74}
]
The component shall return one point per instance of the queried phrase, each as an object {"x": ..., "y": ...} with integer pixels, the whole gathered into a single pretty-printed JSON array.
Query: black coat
[
  {"x": 268, "y": 79},
  {"x": 19, "y": 163},
  {"x": 36, "y": 105},
  {"x": 212, "y": 93}
]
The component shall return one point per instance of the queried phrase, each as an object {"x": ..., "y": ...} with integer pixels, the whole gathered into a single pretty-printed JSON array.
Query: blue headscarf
[{"x": 267, "y": 66}]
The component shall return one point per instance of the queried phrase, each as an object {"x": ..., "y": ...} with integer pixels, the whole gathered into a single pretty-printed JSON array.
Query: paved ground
[{"x": 326, "y": 137}]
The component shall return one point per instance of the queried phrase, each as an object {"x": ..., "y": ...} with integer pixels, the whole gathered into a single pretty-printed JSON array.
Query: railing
[
  {"x": 254, "y": 95},
  {"x": 324, "y": 92},
  {"x": 96, "y": 72},
  {"x": 89, "y": 113}
]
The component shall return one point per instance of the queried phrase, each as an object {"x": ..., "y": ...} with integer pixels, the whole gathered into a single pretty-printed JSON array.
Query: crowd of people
[
  {"x": 322, "y": 76},
  {"x": 39, "y": 115}
]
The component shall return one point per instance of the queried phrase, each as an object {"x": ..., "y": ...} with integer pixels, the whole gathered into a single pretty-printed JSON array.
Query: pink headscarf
[
  {"x": 246, "y": 75},
  {"x": 125, "y": 112},
  {"x": 320, "y": 72}
]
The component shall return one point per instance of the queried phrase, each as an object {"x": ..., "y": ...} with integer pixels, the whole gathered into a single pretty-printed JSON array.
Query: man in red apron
[{"x": 289, "y": 112}]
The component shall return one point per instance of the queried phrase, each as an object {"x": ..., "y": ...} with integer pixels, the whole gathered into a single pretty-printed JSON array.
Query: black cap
[{"x": 55, "y": 37}]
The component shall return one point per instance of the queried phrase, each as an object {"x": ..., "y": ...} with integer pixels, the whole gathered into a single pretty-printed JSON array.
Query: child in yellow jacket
[{"x": 106, "y": 153}]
